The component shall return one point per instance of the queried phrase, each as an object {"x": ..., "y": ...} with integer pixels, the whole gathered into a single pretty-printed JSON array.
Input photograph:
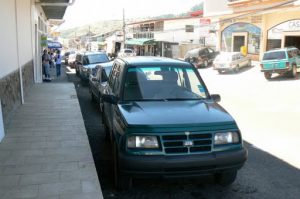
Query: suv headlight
[
  {"x": 226, "y": 138},
  {"x": 148, "y": 142},
  {"x": 84, "y": 69}
]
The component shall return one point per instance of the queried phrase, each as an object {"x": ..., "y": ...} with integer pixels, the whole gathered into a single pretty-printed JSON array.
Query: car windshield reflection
[{"x": 162, "y": 83}]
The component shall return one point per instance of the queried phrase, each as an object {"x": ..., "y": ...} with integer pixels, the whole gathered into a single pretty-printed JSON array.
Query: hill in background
[{"x": 111, "y": 25}]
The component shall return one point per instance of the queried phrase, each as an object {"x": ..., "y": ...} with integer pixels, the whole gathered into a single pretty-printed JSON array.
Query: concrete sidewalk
[{"x": 45, "y": 152}]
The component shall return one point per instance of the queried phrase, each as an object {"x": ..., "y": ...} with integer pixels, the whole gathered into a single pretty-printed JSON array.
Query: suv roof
[
  {"x": 149, "y": 60},
  {"x": 282, "y": 49}
]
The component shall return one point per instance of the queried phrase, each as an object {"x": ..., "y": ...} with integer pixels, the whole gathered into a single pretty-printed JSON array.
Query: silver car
[{"x": 231, "y": 61}]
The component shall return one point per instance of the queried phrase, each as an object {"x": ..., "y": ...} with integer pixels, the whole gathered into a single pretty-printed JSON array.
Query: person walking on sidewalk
[
  {"x": 58, "y": 63},
  {"x": 46, "y": 65}
]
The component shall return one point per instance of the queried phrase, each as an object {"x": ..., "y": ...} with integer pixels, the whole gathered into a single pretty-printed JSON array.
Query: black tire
[
  {"x": 205, "y": 64},
  {"x": 249, "y": 63},
  {"x": 225, "y": 178},
  {"x": 100, "y": 103},
  {"x": 105, "y": 128},
  {"x": 237, "y": 69},
  {"x": 122, "y": 182},
  {"x": 268, "y": 75},
  {"x": 293, "y": 73},
  {"x": 93, "y": 99}
]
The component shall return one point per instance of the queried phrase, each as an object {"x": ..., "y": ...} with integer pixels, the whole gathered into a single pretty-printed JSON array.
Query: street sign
[{"x": 204, "y": 21}]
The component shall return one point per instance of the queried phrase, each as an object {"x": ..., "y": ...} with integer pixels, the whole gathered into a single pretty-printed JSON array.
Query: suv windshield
[
  {"x": 128, "y": 51},
  {"x": 274, "y": 55},
  {"x": 162, "y": 83},
  {"x": 96, "y": 58}
]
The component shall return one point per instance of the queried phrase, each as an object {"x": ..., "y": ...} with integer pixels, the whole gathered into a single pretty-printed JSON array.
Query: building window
[{"x": 189, "y": 28}]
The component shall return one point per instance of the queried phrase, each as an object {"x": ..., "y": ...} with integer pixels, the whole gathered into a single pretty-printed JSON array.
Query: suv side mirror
[
  {"x": 216, "y": 97},
  {"x": 110, "y": 99}
]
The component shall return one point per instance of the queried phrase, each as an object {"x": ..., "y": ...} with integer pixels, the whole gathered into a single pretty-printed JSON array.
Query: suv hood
[
  {"x": 91, "y": 65},
  {"x": 173, "y": 113}
]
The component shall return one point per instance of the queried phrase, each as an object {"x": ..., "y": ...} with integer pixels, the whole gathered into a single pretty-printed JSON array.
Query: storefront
[
  {"x": 237, "y": 33},
  {"x": 284, "y": 34},
  {"x": 282, "y": 29}
]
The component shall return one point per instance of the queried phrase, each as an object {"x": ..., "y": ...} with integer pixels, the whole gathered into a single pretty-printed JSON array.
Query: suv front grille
[{"x": 187, "y": 143}]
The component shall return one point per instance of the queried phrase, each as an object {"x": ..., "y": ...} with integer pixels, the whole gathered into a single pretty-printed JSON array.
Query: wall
[
  {"x": 8, "y": 58},
  {"x": 174, "y": 31},
  {"x": 18, "y": 41},
  {"x": 215, "y": 8}
]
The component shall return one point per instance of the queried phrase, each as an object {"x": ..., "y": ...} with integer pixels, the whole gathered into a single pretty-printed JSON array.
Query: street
[{"x": 266, "y": 112}]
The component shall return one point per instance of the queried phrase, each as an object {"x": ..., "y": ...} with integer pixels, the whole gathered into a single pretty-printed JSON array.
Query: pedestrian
[
  {"x": 58, "y": 63},
  {"x": 46, "y": 65},
  {"x": 52, "y": 62}
]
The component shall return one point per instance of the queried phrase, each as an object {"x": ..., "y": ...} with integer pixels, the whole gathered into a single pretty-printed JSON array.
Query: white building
[
  {"x": 161, "y": 36},
  {"x": 23, "y": 22}
]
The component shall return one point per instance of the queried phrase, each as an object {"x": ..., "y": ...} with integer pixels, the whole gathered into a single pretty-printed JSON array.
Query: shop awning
[
  {"x": 54, "y": 9},
  {"x": 140, "y": 42},
  {"x": 54, "y": 44}
]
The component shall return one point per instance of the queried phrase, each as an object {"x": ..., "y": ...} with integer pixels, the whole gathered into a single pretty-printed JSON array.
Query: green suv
[
  {"x": 281, "y": 61},
  {"x": 162, "y": 122}
]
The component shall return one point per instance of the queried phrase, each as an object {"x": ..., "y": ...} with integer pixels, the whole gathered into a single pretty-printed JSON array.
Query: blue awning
[{"x": 54, "y": 44}]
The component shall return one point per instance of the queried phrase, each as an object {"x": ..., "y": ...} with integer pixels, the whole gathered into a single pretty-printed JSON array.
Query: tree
[{"x": 197, "y": 7}]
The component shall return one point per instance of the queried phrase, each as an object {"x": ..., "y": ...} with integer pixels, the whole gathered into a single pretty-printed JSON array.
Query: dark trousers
[{"x": 58, "y": 66}]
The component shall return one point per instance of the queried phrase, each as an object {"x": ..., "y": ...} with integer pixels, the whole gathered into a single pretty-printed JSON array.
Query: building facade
[
  {"x": 162, "y": 37},
  {"x": 259, "y": 26},
  {"x": 25, "y": 25}
]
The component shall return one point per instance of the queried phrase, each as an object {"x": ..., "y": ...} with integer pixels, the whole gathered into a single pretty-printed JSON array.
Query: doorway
[
  {"x": 238, "y": 40},
  {"x": 292, "y": 41}
]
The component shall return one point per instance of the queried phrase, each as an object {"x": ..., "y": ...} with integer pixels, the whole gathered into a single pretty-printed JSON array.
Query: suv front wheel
[
  {"x": 122, "y": 182},
  {"x": 225, "y": 178}
]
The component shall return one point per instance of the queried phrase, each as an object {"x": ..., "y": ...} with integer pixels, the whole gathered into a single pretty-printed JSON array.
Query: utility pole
[{"x": 124, "y": 26}]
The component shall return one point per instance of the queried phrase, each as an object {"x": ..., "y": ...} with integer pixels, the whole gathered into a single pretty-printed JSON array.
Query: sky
[{"x": 89, "y": 11}]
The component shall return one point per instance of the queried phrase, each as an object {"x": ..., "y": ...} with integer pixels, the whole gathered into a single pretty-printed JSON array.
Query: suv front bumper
[{"x": 182, "y": 165}]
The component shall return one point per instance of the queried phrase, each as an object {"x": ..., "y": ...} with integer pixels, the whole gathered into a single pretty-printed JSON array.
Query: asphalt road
[{"x": 265, "y": 174}]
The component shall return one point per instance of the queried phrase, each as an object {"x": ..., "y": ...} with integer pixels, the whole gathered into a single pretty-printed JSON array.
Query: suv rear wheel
[
  {"x": 268, "y": 75},
  {"x": 237, "y": 68},
  {"x": 205, "y": 63},
  {"x": 294, "y": 71}
]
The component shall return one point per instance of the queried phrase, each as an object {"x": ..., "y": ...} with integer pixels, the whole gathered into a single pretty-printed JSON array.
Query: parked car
[
  {"x": 66, "y": 56},
  {"x": 126, "y": 53},
  {"x": 86, "y": 61},
  {"x": 163, "y": 122},
  {"x": 281, "y": 61},
  {"x": 98, "y": 80},
  {"x": 71, "y": 60},
  {"x": 231, "y": 61},
  {"x": 201, "y": 57}
]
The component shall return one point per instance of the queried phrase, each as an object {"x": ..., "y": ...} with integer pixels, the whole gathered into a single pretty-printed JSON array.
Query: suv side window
[
  {"x": 290, "y": 54},
  {"x": 115, "y": 78},
  {"x": 112, "y": 76}
]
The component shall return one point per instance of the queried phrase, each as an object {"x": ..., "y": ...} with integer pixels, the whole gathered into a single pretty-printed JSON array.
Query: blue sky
[{"x": 89, "y": 11}]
